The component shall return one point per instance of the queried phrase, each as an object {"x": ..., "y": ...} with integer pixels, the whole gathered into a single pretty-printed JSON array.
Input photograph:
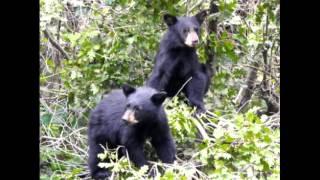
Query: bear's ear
[
  {"x": 158, "y": 98},
  {"x": 170, "y": 19},
  {"x": 127, "y": 90},
  {"x": 201, "y": 16}
]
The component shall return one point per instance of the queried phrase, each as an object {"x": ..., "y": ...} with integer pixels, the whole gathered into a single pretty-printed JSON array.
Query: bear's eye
[
  {"x": 185, "y": 30},
  {"x": 137, "y": 108},
  {"x": 128, "y": 106},
  {"x": 196, "y": 29}
]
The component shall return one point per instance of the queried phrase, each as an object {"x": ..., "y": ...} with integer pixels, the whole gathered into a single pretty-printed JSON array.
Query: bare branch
[
  {"x": 246, "y": 92},
  {"x": 55, "y": 44},
  {"x": 261, "y": 70}
]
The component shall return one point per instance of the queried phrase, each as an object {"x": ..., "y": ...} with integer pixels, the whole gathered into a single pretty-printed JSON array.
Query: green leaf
[
  {"x": 256, "y": 128},
  {"x": 267, "y": 139},
  {"x": 73, "y": 74},
  {"x": 130, "y": 40},
  {"x": 169, "y": 175},
  {"x": 105, "y": 165},
  {"x": 91, "y": 54},
  {"x": 229, "y": 45},
  {"x": 46, "y": 118},
  {"x": 218, "y": 133},
  {"x": 50, "y": 64},
  {"x": 102, "y": 156},
  {"x": 96, "y": 47}
]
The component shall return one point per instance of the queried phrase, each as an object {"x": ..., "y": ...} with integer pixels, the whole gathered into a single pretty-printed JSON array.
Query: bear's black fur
[
  {"x": 177, "y": 61},
  {"x": 128, "y": 117}
]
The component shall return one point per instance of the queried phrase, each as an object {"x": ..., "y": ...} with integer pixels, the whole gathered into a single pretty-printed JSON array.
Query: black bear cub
[
  {"x": 128, "y": 117},
  {"x": 177, "y": 60}
]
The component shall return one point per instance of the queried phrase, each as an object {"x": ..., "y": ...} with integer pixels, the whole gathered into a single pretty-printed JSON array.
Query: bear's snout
[{"x": 129, "y": 116}]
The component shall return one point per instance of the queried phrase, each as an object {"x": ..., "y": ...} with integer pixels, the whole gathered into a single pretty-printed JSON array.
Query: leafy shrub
[
  {"x": 115, "y": 41},
  {"x": 241, "y": 146}
]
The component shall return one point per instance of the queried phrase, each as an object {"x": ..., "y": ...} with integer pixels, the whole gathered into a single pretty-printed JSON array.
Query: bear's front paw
[{"x": 199, "y": 112}]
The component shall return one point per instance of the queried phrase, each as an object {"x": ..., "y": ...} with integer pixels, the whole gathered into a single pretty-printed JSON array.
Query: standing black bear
[
  {"x": 177, "y": 60},
  {"x": 127, "y": 118}
]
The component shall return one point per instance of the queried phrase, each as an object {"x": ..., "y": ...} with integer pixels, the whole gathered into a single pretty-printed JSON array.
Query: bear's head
[
  {"x": 142, "y": 104},
  {"x": 187, "y": 28}
]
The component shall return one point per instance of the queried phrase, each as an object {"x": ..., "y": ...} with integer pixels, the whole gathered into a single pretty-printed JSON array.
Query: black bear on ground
[
  {"x": 177, "y": 61},
  {"x": 128, "y": 117}
]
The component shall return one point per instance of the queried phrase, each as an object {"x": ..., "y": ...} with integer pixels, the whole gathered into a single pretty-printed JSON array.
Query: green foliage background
[{"x": 112, "y": 42}]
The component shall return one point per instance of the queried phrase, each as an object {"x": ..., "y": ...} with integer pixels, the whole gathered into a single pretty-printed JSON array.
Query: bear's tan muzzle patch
[
  {"x": 192, "y": 39},
  {"x": 129, "y": 116}
]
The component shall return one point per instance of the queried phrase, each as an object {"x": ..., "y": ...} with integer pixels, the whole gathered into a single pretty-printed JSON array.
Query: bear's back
[{"x": 110, "y": 109}]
